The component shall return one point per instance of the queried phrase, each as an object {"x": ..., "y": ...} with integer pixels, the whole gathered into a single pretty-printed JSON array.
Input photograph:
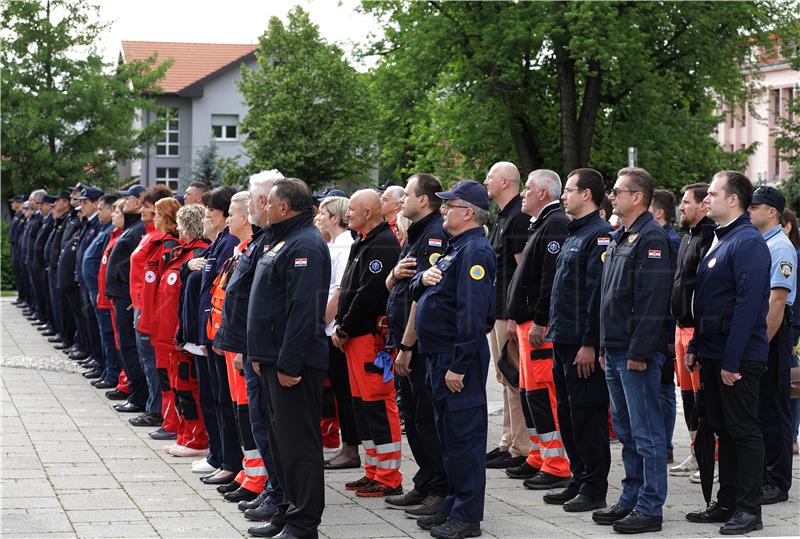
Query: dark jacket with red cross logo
[
  {"x": 426, "y": 242},
  {"x": 529, "y": 291},
  {"x": 363, "y": 295},
  {"x": 286, "y": 311},
  {"x": 636, "y": 286}
]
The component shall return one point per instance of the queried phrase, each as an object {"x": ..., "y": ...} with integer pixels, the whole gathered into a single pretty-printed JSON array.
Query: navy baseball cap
[
  {"x": 133, "y": 191},
  {"x": 64, "y": 194},
  {"x": 49, "y": 199},
  {"x": 769, "y": 196},
  {"x": 91, "y": 193},
  {"x": 334, "y": 193},
  {"x": 77, "y": 187},
  {"x": 18, "y": 198},
  {"x": 468, "y": 191}
]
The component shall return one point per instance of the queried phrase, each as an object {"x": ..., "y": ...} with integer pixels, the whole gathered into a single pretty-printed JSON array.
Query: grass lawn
[{"x": 8, "y": 293}]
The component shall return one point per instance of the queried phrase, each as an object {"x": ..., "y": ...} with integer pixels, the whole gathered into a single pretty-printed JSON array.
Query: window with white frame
[
  {"x": 167, "y": 145},
  {"x": 225, "y": 126},
  {"x": 168, "y": 176}
]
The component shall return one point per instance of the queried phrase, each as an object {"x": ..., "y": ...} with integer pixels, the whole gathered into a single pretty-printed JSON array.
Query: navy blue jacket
[
  {"x": 88, "y": 232},
  {"x": 189, "y": 330},
  {"x": 91, "y": 259},
  {"x": 220, "y": 250},
  {"x": 286, "y": 313},
  {"x": 232, "y": 333},
  {"x": 636, "y": 286},
  {"x": 13, "y": 232},
  {"x": 39, "y": 256},
  {"x": 426, "y": 242},
  {"x": 731, "y": 298},
  {"x": 67, "y": 262},
  {"x": 34, "y": 225},
  {"x": 53, "y": 245},
  {"x": 455, "y": 315},
  {"x": 575, "y": 300}
]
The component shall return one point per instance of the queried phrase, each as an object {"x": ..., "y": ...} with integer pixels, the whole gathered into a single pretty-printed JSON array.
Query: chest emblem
[
  {"x": 375, "y": 266},
  {"x": 603, "y": 257},
  {"x": 434, "y": 258},
  {"x": 150, "y": 277},
  {"x": 632, "y": 237},
  {"x": 553, "y": 247},
  {"x": 172, "y": 278},
  {"x": 712, "y": 262},
  {"x": 477, "y": 272}
]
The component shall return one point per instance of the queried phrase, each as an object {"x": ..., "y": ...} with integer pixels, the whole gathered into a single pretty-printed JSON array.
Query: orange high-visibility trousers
[
  {"x": 537, "y": 390},
  {"x": 183, "y": 381},
  {"x": 253, "y": 475},
  {"x": 375, "y": 410}
]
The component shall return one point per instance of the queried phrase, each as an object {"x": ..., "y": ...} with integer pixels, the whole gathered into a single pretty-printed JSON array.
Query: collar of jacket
[
  {"x": 703, "y": 227},
  {"x": 131, "y": 219},
  {"x": 579, "y": 223},
  {"x": 419, "y": 227},
  {"x": 106, "y": 226},
  {"x": 284, "y": 228},
  {"x": 637, "y": 224},
  {"x": 743, "y": 219},
  {"x": 374, "y": 232},
  {"x": 549, "y": 209},
  {"x": 465, "y": 236},
  {"x": 513, "y": 203}
]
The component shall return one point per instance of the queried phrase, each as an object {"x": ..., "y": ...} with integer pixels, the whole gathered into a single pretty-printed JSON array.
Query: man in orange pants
[
  {"x": 358, "y": 332},
  {"x": 529, "y": 305}
]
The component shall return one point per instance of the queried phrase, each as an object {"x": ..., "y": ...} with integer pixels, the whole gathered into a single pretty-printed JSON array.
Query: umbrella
[{"x": 704, "y": 447}]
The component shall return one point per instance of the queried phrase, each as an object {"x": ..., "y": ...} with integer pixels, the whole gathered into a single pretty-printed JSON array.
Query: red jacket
[
  {"x": 102, "y": 301},
  {"x": 169, "y": 291},
  {"x": 138, "y": 258},
  {"x": 153, "y": 266}
]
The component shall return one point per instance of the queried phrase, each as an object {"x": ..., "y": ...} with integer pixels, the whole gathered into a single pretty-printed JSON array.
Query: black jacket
[
  {"x": 694, "y": 246},
  {"x": 217, "y": 254},
  {"x": 636, "y": 285},
  {"x": 53, "y": 245},
  {"x": 232, "y": 333},
  {"x": 363, "y": 290},
  {"x": 426, "y": 241},
  {"x": 509, "y": 235},
  {"x": 34, "y": 225},
  {"x": 67, "y": 261},
  {"x": 118, "y": 270},
  {"x": 529, "y": 291},
  {"x": 88, "y": 232},
  {"x": 39, "y": 254},
  {"x": 575, "y": 300},
  {"x": 286, "y": 314}
]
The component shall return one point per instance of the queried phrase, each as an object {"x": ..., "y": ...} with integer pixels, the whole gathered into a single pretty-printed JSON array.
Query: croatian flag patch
[
  {"x": 300, "y": 262},
  {"x": 434, "y": 242},
  {"x": 654, "y": 253},
  {"x": 603, "y": 241}
]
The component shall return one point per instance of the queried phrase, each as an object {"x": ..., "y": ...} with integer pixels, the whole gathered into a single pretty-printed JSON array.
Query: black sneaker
[
  {"x": 637, "y": 522},
  {"x": 357, "y": 484},
  {"x": 772, "y": 494},
  {"x": 608, "y": 516},
  {"x": 376, "y": 489},
  {"x": 456, "y": 529},
  {"x": 429, "y": 506},
  {"x": 523, "y": 471},
  {"x": 562, "y": 496},
  {"x": 544, "y": 481},
  {"x": 427, "y": 523},
  {"x": 410, "y": 498}
]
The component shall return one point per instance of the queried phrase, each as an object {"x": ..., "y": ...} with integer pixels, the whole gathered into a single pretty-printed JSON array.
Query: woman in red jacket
[{"x": 192, "y": 439}]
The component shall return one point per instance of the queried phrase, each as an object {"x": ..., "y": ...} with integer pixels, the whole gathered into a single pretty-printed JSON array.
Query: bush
[{"x": 6, "y": 273}]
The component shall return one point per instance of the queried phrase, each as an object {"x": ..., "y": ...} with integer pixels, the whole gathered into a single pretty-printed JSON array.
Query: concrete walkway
[{"x": 73, "y": 467}]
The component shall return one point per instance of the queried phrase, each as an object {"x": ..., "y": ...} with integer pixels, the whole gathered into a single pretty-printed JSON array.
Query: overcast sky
[{"x": 228, "y": 21}]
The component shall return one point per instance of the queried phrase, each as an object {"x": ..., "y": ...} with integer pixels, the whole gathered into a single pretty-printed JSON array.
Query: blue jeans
[
  {"x": 258, "y": 423},
  {"x": 669, "y": 411},
  {"x": 112, "y": 370},
  {"x": 639, "y": 424},
  {"x": 147, "y": 358}
]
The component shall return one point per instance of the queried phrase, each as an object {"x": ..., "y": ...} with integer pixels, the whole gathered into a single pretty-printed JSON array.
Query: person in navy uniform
[
  {"x": 730, "y": 307},
  {"x": 52, "y": 254},
  {"x": 37, "y": 267},
  {"x": 287, "y": 343},
  {"x": 89, "y": 198},
  {"x": 575, "y": 333},
  {"x": 31, "y": 232},
  {"x": 775, "y": 391},
  {"x": 455, "y": 310},
  {"x": 13, "y": 240},
  {"x": 634, "y": 331}
]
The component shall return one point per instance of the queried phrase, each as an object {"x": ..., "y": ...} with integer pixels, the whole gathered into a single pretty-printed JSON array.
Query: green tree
[
  {"x": 563, "y": 84},
  {"x": 310, "y": 111},
  {"x": 205, "y": 167},
  {"x": 67, "y": 115}
]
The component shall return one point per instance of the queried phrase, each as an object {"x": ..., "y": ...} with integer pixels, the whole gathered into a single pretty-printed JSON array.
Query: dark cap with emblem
[
  {"x": 77, "y": 187},
  {"x": 64, "y": 194},
  {"x": 769, "y": 196},
  {"x": 133, "y": 191},
  {"x": 468, "y": 191},
  {"x": 91, "y": 193},
  {"x": 49, "y": 199},
  {"x": 18, "y": 198}
]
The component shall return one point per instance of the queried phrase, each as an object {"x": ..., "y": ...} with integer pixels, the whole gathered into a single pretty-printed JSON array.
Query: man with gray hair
[
  {"x": 391, "y": 204},
  {"x": 508, "y": 240},
  {"x": 529, "y": 306}
]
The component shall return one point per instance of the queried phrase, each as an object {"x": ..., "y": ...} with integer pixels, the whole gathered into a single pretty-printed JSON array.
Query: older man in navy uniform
[{"x": 455, "y": 310}]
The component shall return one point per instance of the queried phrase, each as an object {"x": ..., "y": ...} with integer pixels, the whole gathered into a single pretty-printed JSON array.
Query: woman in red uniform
[{"x": 191, "y": 433}]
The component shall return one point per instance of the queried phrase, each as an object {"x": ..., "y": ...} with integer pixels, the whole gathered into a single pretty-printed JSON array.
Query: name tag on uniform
[{"x": 654, "y": 253}]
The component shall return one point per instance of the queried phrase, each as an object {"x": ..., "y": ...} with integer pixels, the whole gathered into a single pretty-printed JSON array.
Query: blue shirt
[
  {"x": 674, "y": 237},
  {"x": 784, "y": 262}
]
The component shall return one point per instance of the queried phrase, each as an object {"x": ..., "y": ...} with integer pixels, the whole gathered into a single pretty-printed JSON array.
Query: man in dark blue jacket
[
  {"x": 286, "y": 338},
  {"x": 91, "y": 228},
  {"x": 575, "y": 332},
  {"x": 730, "y": 341},
  {"x": 634, "y": 329}
]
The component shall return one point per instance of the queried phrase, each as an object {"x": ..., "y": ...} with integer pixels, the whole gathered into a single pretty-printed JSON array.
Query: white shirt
[{"x": 340, "y": 252}]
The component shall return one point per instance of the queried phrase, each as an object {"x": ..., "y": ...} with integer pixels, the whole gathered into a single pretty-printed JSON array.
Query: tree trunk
[
  {"x": 529, "y": 155},
  {"x": 569, "y": 107},
  {"x": 589, "y": 110}
]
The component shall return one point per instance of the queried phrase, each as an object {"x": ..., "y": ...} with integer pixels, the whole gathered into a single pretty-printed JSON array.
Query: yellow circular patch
[
  {"x": 434, "y": 258},
  {"x": 603, "y": 257},
  {"x": 477, "y": 272}
]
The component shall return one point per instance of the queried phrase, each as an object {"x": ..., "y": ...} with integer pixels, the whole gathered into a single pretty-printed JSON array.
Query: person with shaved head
[{"x": 360, "y": 332}]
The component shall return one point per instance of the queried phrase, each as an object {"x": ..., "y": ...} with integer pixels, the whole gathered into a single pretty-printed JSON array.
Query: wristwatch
[
  {"x": 340, "y": 332},
  {"x": 404, "y": 348}
]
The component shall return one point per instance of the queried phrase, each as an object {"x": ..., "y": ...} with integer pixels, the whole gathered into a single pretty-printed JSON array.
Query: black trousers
[
  {"x": 43, "y": 298},
  {"x": 296, "y": 443},
  {"x": 340, "y": 381},
  {"x": 774, "y": 410},
  {"x": 583, "y": 420},
  {"x": 92, "y": 328},
  {"x": 72, "y": 295},
  {"x": 732, "y": 413},
  {"x": 209, "y": 410},
  {"x": 128, "y": 352},
  {"x": 230, "y": 450},
  {"x": 417, "y": 411},
  {"x": 55, "y": 301},
  {"x": 69, "y": 329}
]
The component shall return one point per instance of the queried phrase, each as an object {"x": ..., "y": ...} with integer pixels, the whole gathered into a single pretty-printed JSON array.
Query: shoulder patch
[
  {"x": 654, "y": 253},
  {"x": 434, "y": 242},
  {"x": 553, "y": 247},
  {"x": 786, "y": 268},
  {"x": 300, "y": 262},
  {"x": 375, "y": 266},
  {"x": 603, "y": 241},
  {"x": 477, "y": 272},
  {"x": 434, "y": 258}
]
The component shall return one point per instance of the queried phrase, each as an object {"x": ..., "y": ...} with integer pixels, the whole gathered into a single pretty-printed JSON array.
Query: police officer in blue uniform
[
  {"x": 730, "y": 306},
  {"x": 775, "y": 391},
  {"x": 37, "y": 267},
  {"x": 455, "y": 310},
  {"x": 32, "y": 230},
  {"x": 52, "y": 248},
  {"x": 65, "y": 281}
]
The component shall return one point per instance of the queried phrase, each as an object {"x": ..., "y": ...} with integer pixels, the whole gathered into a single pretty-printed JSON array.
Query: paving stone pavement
[{"x": 72, "y": 467}]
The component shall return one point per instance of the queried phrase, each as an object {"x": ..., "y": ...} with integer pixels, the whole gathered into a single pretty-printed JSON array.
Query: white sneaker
[
  {"x": 687, "y": 467},
  {"x": 202, "y": 467},
  {"x": 169, "y": 448},
  {"x": 182, "y": 451},
  {"x": 695, "y": 477}
]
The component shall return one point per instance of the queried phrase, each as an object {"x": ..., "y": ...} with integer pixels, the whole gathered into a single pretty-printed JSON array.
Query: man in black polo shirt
[{"x": 508, "y": 240}]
